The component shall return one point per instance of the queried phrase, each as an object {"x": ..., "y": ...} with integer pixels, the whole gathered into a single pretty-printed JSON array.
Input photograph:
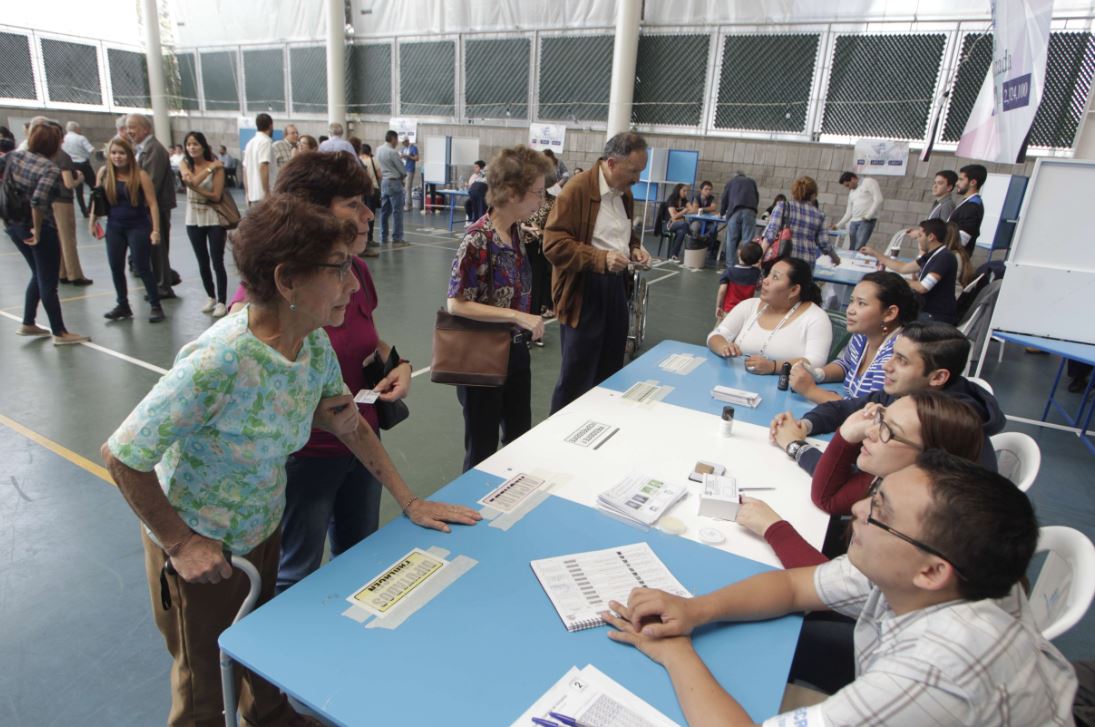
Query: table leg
[
  {"x": 1056, "y": 380},
  {"x": 452, "y": 210},
  {"x": 1087, "y": 420}
]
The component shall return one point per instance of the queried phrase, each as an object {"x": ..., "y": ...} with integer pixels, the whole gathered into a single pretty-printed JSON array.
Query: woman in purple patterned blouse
[{"x": 491, "y": 281}]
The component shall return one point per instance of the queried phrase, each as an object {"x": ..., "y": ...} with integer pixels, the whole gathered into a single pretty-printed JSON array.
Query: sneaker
[
  {"x": 32, "y": 330},
  {"x": 80, "y": 281},
  {"x": 548, "y": 314},
  {"x": 673, "y": 259},
  {"x": 118, "y": 313},
  {"x": 371, "y": 251},
  {"x": 219, "y": 311},
  {"x": 400, "y": 243},
  {"x": 210, "y": 304},
  {"x": 68, "y": 338},
  {"x": 156, "y": 314},
  {"x": 539, "y": 343}
]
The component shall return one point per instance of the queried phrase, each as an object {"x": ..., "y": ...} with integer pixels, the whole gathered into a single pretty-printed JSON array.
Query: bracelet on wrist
[{"x": 409, "y": 503}]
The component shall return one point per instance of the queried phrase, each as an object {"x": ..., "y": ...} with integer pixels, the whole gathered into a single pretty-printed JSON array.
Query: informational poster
[
  {"x": 876, "y": 157},
  {"x": 547, "y": 136},
  {"x": 405, "y": 127},
  {"x": 1004, "y": 111}
]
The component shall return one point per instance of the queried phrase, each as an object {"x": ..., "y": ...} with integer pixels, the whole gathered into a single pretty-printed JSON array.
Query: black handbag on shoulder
[
  {"x": 100, "y": 205},
  {"x": 388, "y": 413},
  {"x": 14, "y": 203}
]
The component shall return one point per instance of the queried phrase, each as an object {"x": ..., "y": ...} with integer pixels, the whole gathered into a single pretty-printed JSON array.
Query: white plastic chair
[
  {"x": 1017, "y": 457},
  {"x": 982, "y": 383},
  {"x": 1066, "y": 584}
]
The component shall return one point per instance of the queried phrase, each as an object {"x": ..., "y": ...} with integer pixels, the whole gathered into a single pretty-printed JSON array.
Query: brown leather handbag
[{"x": 471, "y": 353}]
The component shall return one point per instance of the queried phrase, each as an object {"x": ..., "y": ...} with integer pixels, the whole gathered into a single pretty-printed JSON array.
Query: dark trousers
[
  {"x": 208, "y": 244},
  {"x": 1078, "y": 370},
  {"x": 161, "y": 265},
  {"x": 825, "y": 656},
  {"x": 488, "y": 409},
  {"x": 44, "y": 260},
  {"x": 594, "y": 350},
  {"x": 372, "y": 201},
  {"x": 84, "y": 168},
  {"x": 679, "y": 230},
  {"x": 324, "y": 495},
  {"x": 138, "y": 242},
  {"x": 541, "y": 278}
]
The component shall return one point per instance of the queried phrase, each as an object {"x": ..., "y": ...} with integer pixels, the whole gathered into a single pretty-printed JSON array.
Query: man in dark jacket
[
  {"x": 153, "y": 158},
  {"x": 739, "y": 207},
  {"x": 927, "y": 355}
]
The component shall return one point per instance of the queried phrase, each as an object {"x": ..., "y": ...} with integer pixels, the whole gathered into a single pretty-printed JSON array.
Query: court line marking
[
  {"x": 77, "y": 459},
  {"x": 69, "y": 300},
  {"x": 664, "y": 277}
]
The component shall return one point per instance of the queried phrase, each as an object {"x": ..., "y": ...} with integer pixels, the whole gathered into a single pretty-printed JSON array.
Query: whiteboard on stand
[
  {"x": 465, "y": 151},
  {"x": 1050, "y": 279}
]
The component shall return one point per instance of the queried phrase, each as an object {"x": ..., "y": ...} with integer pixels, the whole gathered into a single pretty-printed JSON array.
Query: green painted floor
[{"x": 74, "y": 609}]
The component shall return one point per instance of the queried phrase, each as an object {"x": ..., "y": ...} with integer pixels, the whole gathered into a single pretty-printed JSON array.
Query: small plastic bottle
[
  {"x": 784, "y": 377},
  {"x": 726, "y": 423}
]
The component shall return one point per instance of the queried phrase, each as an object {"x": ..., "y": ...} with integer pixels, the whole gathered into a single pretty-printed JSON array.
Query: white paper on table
[{"x": 593, "y": 698}]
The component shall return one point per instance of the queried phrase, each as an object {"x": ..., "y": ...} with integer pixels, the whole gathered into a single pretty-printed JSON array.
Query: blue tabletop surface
[
  {"x": 1083, "y": 352},
  {"x": 491, "y": 643},
  {"x": 454, "y": 192},
  {"x": 694, "y": 390}
]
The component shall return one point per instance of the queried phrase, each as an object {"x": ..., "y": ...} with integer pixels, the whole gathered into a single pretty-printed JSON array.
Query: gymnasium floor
[{"x": 77, "y": 643}]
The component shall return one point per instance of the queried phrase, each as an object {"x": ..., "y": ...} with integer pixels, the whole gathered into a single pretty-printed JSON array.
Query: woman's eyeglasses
[
  {"x": 343, "y": 267},
  {"x": 886, "y": 433}
]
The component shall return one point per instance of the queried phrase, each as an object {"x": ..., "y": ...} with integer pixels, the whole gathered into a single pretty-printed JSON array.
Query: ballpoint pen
[
  {"x": 545, "y": 722},
  {"x": 569, "y": 721}
]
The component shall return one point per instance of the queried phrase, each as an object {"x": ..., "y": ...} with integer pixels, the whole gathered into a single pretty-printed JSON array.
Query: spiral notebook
[{"x": 581, "y": 585}]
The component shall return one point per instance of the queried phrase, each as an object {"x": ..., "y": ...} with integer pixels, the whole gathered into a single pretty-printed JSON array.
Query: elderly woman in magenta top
[
  {"x": 492, "y": 281},
  {"x": 201, "y": 460}
]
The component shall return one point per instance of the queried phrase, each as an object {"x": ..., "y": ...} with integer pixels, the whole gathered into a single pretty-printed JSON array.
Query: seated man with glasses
[
  {"x": 926, "y": 355},
  {"x": 944, "y": 633}
]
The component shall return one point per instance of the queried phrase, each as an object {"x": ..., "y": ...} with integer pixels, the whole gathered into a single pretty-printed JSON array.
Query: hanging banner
[
  {"x": 1004, "y": 111},
  {"x": 879, "y": 158},
  {"x": 406, "y": 128},
  {"x": 547, "y": 136}
]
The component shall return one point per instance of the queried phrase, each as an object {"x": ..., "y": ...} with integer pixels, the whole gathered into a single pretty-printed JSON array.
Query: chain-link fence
[
  {"x": 670, "y": 74},
  {"x": 575, "y": 77},
  {"x": 765, "y": 82},
  {"x": 308, "y": 69},
  {"x": 16, "y": 69},
  {"x": 264, "y": 79},
  {"x": 883, "y": 86},
  {"x": 220, "y": 80},
  {"x": 496, "y": 76},
  {"x": 427, "y": 78},
  {"x": 369, "y": 78},
  {"x": 974, "y": 58},
  {"x": 1068, "y": 80},
  {"x": 72, "y": 72},
  {"x": 128, "y": 78}
]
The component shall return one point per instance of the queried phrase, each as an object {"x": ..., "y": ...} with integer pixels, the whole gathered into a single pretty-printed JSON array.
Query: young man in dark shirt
[
  {"x": 936, "y": 269},
  {"x": 970, "y": 210}
]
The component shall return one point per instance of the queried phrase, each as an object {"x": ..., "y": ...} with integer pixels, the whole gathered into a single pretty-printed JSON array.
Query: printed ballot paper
[
  {"x": 590, "y": 697},
  {"x": 397, "y": 582},
  {"x": 640, "y": 498}
]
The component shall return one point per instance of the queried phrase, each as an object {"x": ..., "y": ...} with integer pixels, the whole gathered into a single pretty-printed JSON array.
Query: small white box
[{"x": 719, "y": 498}]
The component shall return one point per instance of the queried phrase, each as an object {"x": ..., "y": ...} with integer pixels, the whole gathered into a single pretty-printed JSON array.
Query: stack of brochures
[
  {"x": 742, "y": 397},
  {"x": 640, "y": 499}
]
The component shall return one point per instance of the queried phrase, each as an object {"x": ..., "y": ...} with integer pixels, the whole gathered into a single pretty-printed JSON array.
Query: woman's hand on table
[
  {"x": 721, "y": 347},
  {"x": 802, "y": 379},
  {"x": 201, "y": 560},
  {"x": 337, "y": 415},
  {"x": 430, "y": 514},
  {"x": 760, "y": 365},
  {"x": 659, "y": 650},
  {"x": 756, "y": 515},
  {"x": 396, "y": 385}
]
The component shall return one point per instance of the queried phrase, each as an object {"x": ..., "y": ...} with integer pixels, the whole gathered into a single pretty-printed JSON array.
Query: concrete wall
[{"x": 774, "y": 164}]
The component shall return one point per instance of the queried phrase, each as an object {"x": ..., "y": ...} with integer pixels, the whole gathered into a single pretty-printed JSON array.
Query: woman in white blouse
[{"x": 784, "y": 325}]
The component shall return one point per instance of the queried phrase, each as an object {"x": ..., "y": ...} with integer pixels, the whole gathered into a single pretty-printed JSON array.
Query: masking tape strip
[
  {"x": 425, "y": 593},
  {"x": 662, "y": 392},
  {"x": 359, "y": 615},
  {"x": 505, "y": 521}
]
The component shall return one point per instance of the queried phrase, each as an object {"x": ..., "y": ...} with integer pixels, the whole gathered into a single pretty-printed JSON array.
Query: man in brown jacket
[{"x": 589, "y": 240}]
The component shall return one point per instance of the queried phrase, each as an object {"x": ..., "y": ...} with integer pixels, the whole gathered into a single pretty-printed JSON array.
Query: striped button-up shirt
[
  {"x": 809, "y": 237},
  {"x": 36, "y": 176},
  {"x": 873, "y": 376},
  {"x": 959, "y": 663}
]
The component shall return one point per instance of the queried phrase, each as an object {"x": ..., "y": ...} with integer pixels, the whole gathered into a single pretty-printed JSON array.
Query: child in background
[{"x": 739, "y": 282}]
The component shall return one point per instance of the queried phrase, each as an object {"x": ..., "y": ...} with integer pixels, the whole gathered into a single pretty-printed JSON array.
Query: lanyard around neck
[{"x": 756, "y": 317}]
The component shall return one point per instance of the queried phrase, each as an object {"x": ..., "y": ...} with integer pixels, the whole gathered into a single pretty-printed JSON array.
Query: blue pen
[
  {"x": 544, "y": 722},
  {"x": 569, "y": 721}
]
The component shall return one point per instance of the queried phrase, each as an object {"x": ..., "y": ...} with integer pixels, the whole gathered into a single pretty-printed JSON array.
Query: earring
[
  {"x": 884, "y": 328},
  {"x": 292, "y": 306}
]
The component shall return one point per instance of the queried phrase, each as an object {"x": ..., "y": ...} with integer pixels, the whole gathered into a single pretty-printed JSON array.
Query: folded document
[{"x": 742, "y": 397}]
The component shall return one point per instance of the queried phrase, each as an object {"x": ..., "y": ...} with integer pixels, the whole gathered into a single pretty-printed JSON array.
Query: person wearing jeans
[
  {"x": 391, "y": 190},
  {"x": 741, "y": 227},
  {"x": 864, "y": 204},
  {"x": 34, "y": 177},
  {"x": 859, "y": 232},
  {"x": 740, "y": 199},
  {"x": 203, "y": 176}
]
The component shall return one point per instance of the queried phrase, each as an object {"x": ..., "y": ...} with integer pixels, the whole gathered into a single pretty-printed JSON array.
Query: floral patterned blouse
[
  {"x": 471, "y": 267},
  {"x": 218, "y": 427}
]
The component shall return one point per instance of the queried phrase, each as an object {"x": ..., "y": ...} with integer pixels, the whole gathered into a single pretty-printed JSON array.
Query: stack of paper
[
  {"x": 590, "y": 697},
  {"x": 640, "y": 499},
  {"x": 742, "y": 397}
]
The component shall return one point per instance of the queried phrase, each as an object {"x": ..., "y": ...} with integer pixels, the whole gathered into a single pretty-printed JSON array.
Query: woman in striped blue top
[{"x": 880, "y": 305}]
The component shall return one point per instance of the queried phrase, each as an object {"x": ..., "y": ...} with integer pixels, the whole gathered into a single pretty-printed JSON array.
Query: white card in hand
[{"x": 366, "y": 396}]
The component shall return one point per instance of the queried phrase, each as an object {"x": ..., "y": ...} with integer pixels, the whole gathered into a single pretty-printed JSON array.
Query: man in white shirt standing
[
  {"x": 336, "y": 142},
  {"x": 590, "y": 240},
  {"x": 259, "y": 167},
  {"x": 864, "y": 204},
  {"x": 80, "y": 149},
  {"x": 944, "y": 633}
]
